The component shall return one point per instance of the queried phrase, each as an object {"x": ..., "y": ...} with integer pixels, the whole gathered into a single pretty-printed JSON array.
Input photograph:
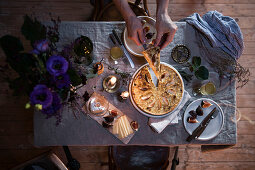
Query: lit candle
[
  {"x": 124, "y": 94},
  {"x": 112, "y": 82}
]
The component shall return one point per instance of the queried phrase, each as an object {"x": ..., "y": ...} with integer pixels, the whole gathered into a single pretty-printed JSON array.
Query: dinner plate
[
  {"x": 143, "y": 112},
  {"x": 215, "y": 125},
  {"x": 131, "y": 45}
]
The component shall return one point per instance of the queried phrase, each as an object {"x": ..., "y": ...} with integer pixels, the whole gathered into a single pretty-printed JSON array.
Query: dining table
[{"x": 78, "y": 128}]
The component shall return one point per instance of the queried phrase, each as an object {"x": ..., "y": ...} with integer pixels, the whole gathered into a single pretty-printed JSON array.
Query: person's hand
[
  {"x": 165, "y": 30},
  {"x": 135, "y": 30}
]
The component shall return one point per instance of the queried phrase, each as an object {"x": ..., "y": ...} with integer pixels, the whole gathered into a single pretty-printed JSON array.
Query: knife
[
  {"x": 199, "y": 130},
  {"x": 124, "y": 49}
]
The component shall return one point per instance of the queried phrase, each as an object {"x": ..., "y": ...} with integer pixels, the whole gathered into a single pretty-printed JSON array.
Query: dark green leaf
[
  {"x": 186, "y": 76},
  {"x": 191, "y": 69},
  {"x": 202, "y": 73},
  {"x": 196, "y": 62},
  {"x": 33, "y": 30},
  {"x": 11, "y": 45},
  {"x": 74, "y": 77},
  {"x": 63, "y": 94}
]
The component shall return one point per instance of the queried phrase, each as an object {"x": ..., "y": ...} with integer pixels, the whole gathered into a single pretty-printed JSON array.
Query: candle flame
[{"x": 113, "y": 80}]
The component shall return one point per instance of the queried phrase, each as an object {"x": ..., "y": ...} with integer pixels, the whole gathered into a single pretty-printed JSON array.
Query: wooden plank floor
[{"x": 16, "y": 126}]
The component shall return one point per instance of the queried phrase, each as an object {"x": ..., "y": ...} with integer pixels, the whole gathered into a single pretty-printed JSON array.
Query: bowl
[
  {"x": 146, "y": 113},
  {"x": 131, "y": 45}
]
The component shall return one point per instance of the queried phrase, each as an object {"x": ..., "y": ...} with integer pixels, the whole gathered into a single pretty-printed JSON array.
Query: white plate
[
  {"x": 131, "y": 45},
  {"x": 215, "y": 125},
  {"x": 145, "y": 113}
]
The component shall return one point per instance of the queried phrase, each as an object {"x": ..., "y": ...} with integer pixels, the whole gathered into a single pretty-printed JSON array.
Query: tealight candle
[
  {"x": 111, "y": 84},
  {"x": 124, "y": 94}
]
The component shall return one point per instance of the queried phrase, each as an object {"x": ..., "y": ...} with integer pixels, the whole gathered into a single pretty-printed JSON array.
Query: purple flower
[
  {"x": 41, "y": 95},
  {"x": 57, "y": 65},
  {"x": 41, "y": 46},
  {"x": 56, "y": 105},
  {"x": 62, "y": 81}
]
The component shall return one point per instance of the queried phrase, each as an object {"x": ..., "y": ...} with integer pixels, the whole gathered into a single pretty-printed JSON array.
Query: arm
[
  {"x": 164, "y": 25},
  {"x": 134, "y": 25}
]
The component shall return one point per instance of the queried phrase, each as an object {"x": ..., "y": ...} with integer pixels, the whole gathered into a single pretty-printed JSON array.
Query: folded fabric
[
  {"x": 159, "y": 124},
  {"x": 221, "y": 31}
]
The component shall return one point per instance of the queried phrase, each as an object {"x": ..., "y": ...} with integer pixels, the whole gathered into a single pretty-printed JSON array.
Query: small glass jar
[{"x": 116, "y": 53}]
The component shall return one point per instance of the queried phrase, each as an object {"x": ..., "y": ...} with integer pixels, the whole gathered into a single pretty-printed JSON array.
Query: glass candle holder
[{"x": 111, "y": 84}]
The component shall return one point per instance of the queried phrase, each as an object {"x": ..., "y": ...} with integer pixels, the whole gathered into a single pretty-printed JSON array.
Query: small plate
[
  {"x": 131, "y": 45},
  {"x": 215, "y": 125}
]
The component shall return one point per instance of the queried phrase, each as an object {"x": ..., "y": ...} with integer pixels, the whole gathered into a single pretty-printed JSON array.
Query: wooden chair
[
  {"x": 138, "y": 158},
  {"x": 47, "y": 160},
  {"x": 108, "y": 12}
]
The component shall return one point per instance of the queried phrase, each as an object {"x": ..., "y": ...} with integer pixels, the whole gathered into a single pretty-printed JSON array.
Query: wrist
[
  {"x": 161, "y": 15},
  {"x": 161, "y": 11}
]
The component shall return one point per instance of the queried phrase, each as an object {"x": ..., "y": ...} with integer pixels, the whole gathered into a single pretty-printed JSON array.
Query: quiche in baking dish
[{"x": 157, "y": 100}]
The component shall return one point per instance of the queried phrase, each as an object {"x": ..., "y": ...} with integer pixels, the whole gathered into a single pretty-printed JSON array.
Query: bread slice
[{"x": 152, "y": 55}]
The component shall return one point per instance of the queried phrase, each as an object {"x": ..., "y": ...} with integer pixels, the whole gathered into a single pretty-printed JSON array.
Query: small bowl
[{"x": 131, "y": 45}]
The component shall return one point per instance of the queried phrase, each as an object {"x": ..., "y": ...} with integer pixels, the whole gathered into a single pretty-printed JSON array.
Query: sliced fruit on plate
[
  {"x": 205, "y": 104},
  {"x": 193, "y": 113},
  {"x": 199, "y": 111},
  {"x": 192, "y": 120}
]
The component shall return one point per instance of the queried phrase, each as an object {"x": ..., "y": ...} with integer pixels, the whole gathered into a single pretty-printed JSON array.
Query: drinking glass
[
  {"x": 116, "y": 53},
  {"x": 207, "y": 87}
]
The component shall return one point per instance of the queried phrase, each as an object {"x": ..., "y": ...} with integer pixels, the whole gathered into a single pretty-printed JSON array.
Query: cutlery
[
  {"x": 112, "y": 39},
  {"x": 199, "y": 130},
  {"x": 153, "y": 77},
  {"x": 124, "y": 49}
]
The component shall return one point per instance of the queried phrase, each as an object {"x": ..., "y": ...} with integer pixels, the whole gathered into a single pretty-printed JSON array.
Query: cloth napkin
[
  {"x": 159, "y": 124},
  {"x": 221, "y": 31}
]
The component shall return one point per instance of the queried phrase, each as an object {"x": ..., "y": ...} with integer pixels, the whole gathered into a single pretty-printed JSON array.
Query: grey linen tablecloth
[{"x": 85, "y": 131}]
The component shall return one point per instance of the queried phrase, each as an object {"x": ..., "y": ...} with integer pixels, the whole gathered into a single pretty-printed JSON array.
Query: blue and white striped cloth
[{"x": 222, "y": 31}]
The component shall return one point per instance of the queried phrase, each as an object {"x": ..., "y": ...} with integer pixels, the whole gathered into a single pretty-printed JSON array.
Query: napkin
[{"x": 159, "y": 124}]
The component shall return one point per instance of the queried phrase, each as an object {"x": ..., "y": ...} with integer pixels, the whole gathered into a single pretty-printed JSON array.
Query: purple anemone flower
[
  {"x": 62, "y": 81},
  {"x": 41, "y": 46},
  {"x": 56, "y": 105},
  {"x": 41, "y": 95},
  {"x": 57, "y": 65}
]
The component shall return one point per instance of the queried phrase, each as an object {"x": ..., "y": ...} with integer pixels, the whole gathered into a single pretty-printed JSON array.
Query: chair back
[{"x": 109, "y": 12}]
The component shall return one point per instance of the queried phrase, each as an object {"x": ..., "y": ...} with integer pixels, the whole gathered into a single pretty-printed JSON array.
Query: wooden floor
[{"x": 16, "y": 125}]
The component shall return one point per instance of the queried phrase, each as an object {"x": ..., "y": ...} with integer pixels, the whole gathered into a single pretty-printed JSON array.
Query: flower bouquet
[{"x": 48, "y": 77}]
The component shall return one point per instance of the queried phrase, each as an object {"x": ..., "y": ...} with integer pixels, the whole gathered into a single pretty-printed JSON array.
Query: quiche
[
  {"x": 157, "y": 100},
  {"x": 152, "y": 55}
]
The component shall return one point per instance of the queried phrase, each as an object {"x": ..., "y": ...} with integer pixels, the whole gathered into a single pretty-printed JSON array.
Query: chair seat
[{"x": 140, "y": 157}]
